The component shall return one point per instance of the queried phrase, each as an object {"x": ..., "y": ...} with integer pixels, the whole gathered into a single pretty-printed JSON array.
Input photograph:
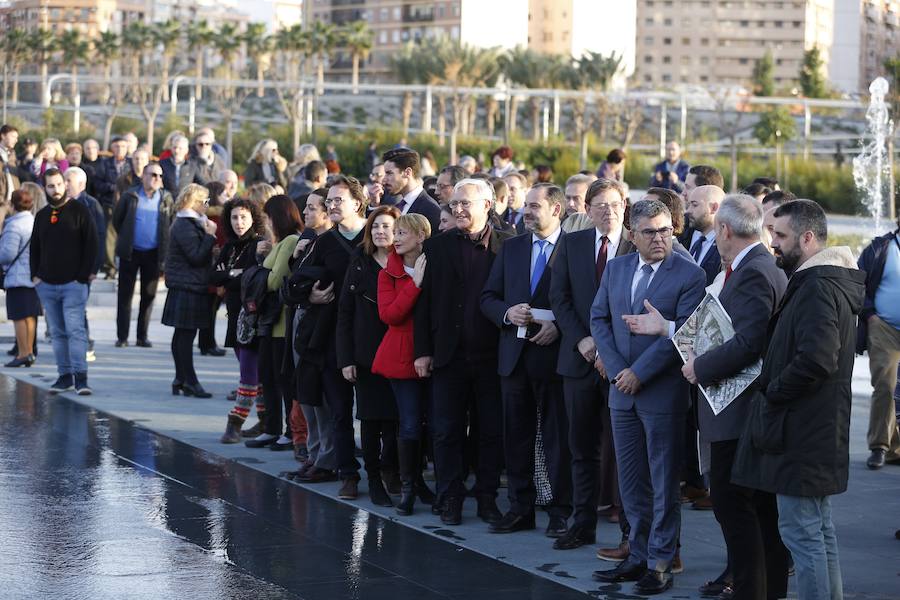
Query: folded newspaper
[{"x": 707, "y": 328}]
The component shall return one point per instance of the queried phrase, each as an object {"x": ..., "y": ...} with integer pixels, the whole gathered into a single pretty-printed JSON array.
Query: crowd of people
[{"x": 487, "y": 320}]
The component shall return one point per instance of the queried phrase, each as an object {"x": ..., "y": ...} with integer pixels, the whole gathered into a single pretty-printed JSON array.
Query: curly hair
[{"x": 259, "y": 225}]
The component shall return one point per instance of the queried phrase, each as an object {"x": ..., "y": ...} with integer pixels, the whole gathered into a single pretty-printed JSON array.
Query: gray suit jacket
[
  {"x": 675, "y": 290},
  {"x": 750, "y": 296}
]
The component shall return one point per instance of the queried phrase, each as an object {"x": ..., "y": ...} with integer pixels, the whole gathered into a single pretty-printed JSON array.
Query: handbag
[{"x": 4, "y": 271}]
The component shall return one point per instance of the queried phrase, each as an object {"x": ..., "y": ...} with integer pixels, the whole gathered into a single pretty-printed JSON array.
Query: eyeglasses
[
  {"x": 463, "y": 204},
  {"x": 154, "y": 174},
  {"x": 202, "y": 144},
  {"x": 650, "y": 234},
  {"x": 206, "y": 202},
  {"x": 334, "y": 202},
  {"x": 607, "y": 206}
]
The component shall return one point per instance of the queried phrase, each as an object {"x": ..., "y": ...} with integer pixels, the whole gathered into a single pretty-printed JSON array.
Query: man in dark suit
[
  {"x": 457, "y": 345},
  {"x": 401, "y": 179},
  {"x": 697, "y": 176},
  {"x": 177, "y": 170},
  {"x": 752, "y": 290},
  {"x": 702, "y": 205},
  {"x": 648, "y": 397},
  {"x": 529, "y": 346},
  {"x": 581, "y": 259},
  {"x": 518, "y": 188}
]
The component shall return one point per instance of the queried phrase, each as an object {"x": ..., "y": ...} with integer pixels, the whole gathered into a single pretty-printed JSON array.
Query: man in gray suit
[
  {"x": 648, "y": 397},
  {"x": 752, "y": 291}
]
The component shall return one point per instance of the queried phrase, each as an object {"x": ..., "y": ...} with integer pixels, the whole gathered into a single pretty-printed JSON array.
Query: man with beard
[
  {"x": 401, "y": 180},
  {"x": 702, "y": 205},
  {"x": 796, "y": 443},
  {"x": 63, "y": 251}
]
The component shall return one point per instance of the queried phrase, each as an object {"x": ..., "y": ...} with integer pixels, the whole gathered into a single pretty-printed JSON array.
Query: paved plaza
[{"x": 221, "y": 524}]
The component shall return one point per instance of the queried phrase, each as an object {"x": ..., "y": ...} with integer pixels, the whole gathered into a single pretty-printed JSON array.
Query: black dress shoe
[
  {"x": 556, "y": 528},
  {"x": 488, "y": 511},
  {"x": 121, "y": 343},
  {"x": 654, "y": 582},
  {"x": 452, "y": 511},
  {"x": 876, "y": 459},
  {"x": 261, "y": 443},
  {"x": 437, "y": 508},
  {"x": 282, "y": 447},
  {"x": 727, "y": 593},
  {"x": 511, "y": 523},
  {"x": 193, "y": 389},
  {"x": 143, "y": 344},
  {"x": 576, "y": 537},
  {"x": 624, "y": 571},
  {"x": 712, "y": 589},
  {"x": 21, "y": 362},
  {"x": 214, "y": 351}
]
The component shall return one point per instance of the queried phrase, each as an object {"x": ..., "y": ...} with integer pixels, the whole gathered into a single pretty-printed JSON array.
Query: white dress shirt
[
  {"x": 707, "y": 244},
  {"x": 637, "y": 276},
  {"x": 410, "y": 198},
  {"x": 612, "y": 245},
  {"x": 741, "y": 255},
  {"x": 548, "y": 247}
]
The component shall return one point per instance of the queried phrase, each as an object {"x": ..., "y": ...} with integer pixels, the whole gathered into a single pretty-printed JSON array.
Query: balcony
[{"x": 418, "y": 14}]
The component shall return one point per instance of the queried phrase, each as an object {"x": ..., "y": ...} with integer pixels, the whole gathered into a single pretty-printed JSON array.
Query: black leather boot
[{"x": 408, "y": 454}]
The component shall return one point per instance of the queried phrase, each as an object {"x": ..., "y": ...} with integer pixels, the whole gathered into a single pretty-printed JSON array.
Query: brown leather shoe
[
  {"x": 702, "y": 504},
  {"x": 617, "y": 554},
  {"x": 689, "y": 493},
  {"x": 349, "y": 489}
]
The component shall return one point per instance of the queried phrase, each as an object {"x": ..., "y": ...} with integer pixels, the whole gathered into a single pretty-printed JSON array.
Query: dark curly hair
[{"x": 258, "y": 227}]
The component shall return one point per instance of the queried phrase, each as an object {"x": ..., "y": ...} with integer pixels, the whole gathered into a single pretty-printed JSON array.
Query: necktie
[
  {"x": 727, "y": 274},
  {"x": 601, "y": 258},
  {"x": 401, "y": 205},
  {"x": 697, "y": 248},
  {"x": 640, "y": 292},
  {"x": 539, "y": 265}
]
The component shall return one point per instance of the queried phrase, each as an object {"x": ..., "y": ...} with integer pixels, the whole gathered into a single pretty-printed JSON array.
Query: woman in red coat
[{"x": 398, "y": 289}]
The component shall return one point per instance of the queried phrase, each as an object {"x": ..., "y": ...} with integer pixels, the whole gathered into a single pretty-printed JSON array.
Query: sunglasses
[
  {"x": 155, "y": 175},
  {"x": 202, "y": 144}
]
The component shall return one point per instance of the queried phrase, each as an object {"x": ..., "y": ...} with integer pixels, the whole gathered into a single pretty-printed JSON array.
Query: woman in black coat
[
  {"x": 245, "y": 230},
  {"x": 359, "y": 333},
  {"x": 188, "y": 264}
]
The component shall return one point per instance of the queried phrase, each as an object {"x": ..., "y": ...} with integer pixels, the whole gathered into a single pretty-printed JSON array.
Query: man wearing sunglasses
[
  {"x": 141, "y": 220},
  {"x": 207, "y": 165}
]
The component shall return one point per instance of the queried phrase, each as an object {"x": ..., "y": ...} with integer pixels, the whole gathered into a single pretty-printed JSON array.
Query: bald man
[{"x": 702, "y": 205}]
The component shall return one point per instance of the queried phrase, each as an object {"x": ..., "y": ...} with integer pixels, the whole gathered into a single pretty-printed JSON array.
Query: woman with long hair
[
  {"x": 284, "y": 222},
  {"x": 50, "y": 155},
  {"x": 187, "y": 271},
  {"x": 244, "y": 230},
  {"x": 398, "y": 290},
  {"x": 359, "y": 332},
  {"x": 265, "y": 165},
  {"x": 22, "y": 304}
]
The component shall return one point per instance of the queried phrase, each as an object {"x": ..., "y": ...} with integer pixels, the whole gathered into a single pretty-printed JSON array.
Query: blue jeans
[
  {"x": 411, "y": 396},
  {"x": 64, "y": 307},
  {"x": 807, "y": 531}
]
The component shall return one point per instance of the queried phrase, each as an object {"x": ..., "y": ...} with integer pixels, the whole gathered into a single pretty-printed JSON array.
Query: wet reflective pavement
[{"x": 94, "y": 507}]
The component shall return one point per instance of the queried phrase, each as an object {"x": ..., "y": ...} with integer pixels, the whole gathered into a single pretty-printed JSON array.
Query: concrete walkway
[{"x": 133, "y": 383}]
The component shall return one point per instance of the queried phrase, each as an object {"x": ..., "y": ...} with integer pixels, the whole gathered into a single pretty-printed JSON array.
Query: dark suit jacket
[
  {"x": 750, "y": 296},
  {"x": 105, "y": 182},
  {"x": 439, "y": 311},
  {"x": 426, "y": 206},
  {"x": 675, "y": 290},
  {"x": 509, "y": 284},
  {"x": 711, "y": 263},
  {"x": 572, "y": 290}
]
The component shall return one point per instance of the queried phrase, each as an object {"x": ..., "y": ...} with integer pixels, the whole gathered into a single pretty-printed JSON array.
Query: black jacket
[
  {"x": 428, "y": 207},
  {"x": 186, "y": 172},
  {"x": 123, "y": 220},
  {"x": 750, "y": 296},
  {"x": 359, "y": 329},
  {"x": 438, "y": 316},
  {"x": 872, "y": 261},
  {"x": 189, "y": 258},
  {"x": 255, "y": 174},
  {"x": 235, "y": 254},
  {"x": 797, "y": 437},
  {"x": 105, "y": 179}
]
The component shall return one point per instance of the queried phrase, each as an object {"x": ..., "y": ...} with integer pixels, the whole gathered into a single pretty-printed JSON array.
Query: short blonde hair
[
  {"x": 54, "y": 145},
  {"x": 260, "y": 193},
  {"x": 263, "y": 150},
  {"x": 414, "y": 223},
  {"x": 191, "y": 195}
]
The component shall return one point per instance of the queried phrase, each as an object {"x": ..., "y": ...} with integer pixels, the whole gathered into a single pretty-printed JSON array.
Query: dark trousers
[
  {"x": 145, "y": 262},
  {"x": 183, "y": 355},
  {"x": 690, "y": 471},
  {"x": 586, "y": 399},
  {"x": 378, "y": 438},
  {"x": 338, "y": 394},
  {"x": 749, "y": 520},
  {"x": 411, "y": 396},
  {"x": 278, "y": 402},
  {"x": 207, "y": 339},
  {"x": 523, "y": 394},
  {"x": 453, "y": 385}
]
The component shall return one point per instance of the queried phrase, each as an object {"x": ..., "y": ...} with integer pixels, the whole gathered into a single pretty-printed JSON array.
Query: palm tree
[
  {"x": 598, "y": 72},
  {"x": 358, "y": 38},
  {"x": 228, "y": 42},
  {"x": 259, "y": 49},
  {"x": 137, "y": 42},
  {"x": 107, "y": 50},
  {"x": 73, "y": 51},
  {"x": 42, "y": 44},
  {"x": 535, "y": 70},
  {"x": 166, "y": 35},
  {"x": 591, "y": 72},
  {"x": 199, "y": 37},
  {"x": 409, "y": 68},
  {"x": 16, "y": 51},
  {"x": 323, "y": 38},
  {"x": 293, "y": 48}
]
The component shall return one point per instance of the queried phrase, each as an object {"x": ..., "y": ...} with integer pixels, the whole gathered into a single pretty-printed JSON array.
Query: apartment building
[
  {"x": 866, "y": 33},
  {"x": 719, "y": 42},
  {"x": 90, "y": 16}
]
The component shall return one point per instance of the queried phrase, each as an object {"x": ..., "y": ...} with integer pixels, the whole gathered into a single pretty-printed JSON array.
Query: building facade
[
  {"x": 866, "y": 33},
  {"x": 90, "y": 16}
]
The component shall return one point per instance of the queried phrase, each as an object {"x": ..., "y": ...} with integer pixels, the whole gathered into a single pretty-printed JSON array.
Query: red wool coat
[{"x": 397, "y": 295}]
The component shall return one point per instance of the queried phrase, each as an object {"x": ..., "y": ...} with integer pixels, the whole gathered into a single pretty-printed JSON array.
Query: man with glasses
[
  {"x": 648, "y": 397},
  {"x": 447, "y": 179},
  {"x": 207, "y": 165},
  {"x": 141, "y": 219}
]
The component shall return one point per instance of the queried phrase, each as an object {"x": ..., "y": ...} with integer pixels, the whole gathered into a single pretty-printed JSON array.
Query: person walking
[
  {"x": 187, "y": 269},
  {"x": 22, "y": 304},
  {"x": 63, "y": 250},
  {"x": 142, "y": 219},
  {"x": 796, "y": 441}
]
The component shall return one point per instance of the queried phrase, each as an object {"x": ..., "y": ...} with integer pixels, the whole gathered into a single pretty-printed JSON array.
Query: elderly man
[
  {"x": 648, "y": 396},
  {"x": 576, "y": 217},
  {"x": 142, "y": 219},
  {"x": 529, "y": 346},
  {"x": 447, "y": 179},
  {"x": 229, "y": 179},
  {"x": 177, "y": 170},
  {"x": 468, "y": 164},
  {"x": 206, "y": 164},
  {"x": 796, "y": 443},
  {"x": 671, "y": 172},
  {"x": 752, "y": 290},
  {"x": 581, "y": 259},
  {"x": 457, "y": 345}
]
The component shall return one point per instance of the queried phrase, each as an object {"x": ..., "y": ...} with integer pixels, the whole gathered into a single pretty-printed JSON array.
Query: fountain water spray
[{"x": 871, "y": 167}]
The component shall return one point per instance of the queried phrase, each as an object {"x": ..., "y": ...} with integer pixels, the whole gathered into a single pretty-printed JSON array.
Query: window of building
[
  {"x": 745, "y": 23},
  {"x": 685, "y": 41},
  {"x": 667, "y": 60},
  {"x": 743, "y": 61},
  {"x": 397, "y": 13},
  {"x": 666, "y": 77},
  {"x": 454, "y": 32},
  {"x": 383, "y": 14},
  {"x": 648, "y": 21},
  {"x": 648, "y": 41},
  {"x": 548, "y": 36},
  {"x": 704, "y": 78},
  {"x": 704, "y": 41},
  {"x": 648, "y": 78},
  {"x": 667, "y": 22},
  {"x": 686, "y": 60},
  {"x": 395, "y": 36},
  {"x": 667, "y": 41},
  {"x": 648, "y": 60},
  {"x": 382, "y": 37},
  {"x": 704, "y": 60}
]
